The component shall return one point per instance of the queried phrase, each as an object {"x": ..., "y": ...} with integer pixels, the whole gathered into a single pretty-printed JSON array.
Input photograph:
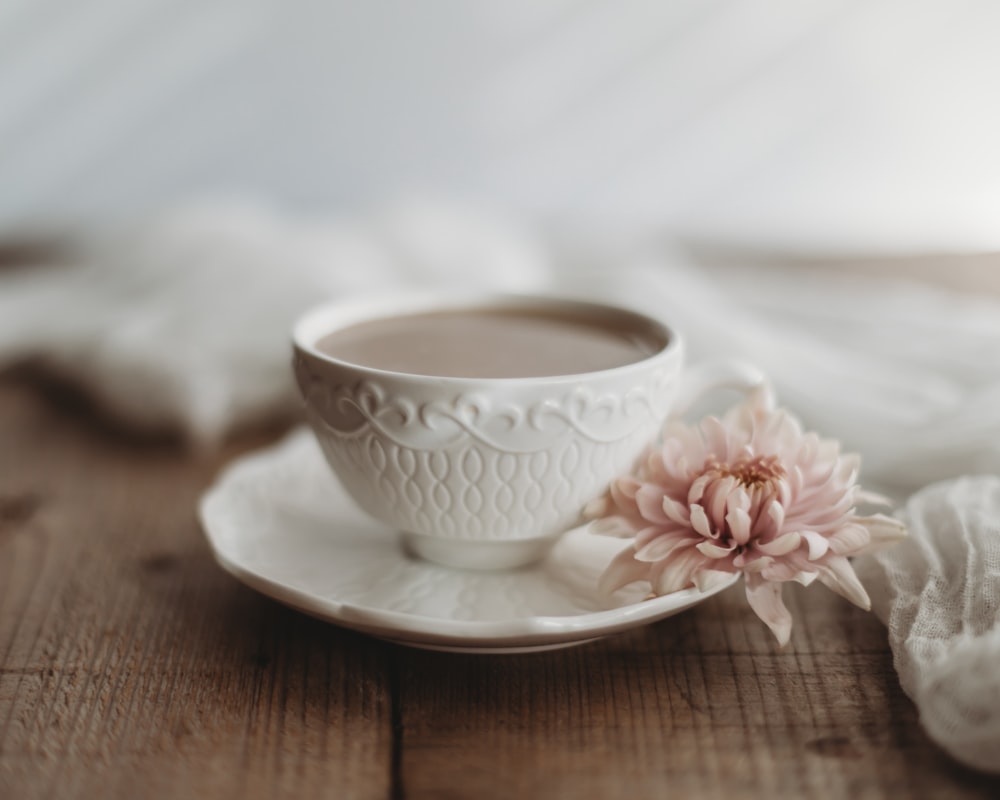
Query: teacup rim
[{"x": 375, "y": 305}]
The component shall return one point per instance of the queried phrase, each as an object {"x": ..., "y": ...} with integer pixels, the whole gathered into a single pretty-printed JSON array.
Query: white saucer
[{"x": 279, "y": 522}]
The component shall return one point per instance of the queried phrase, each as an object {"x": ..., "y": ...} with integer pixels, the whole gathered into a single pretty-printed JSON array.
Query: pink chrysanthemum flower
[{"x": 749, "y": 493}]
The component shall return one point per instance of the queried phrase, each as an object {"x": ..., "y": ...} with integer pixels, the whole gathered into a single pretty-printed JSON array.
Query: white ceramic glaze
[
  {"x": 482, "y": 473},
  {"x": 279, "y": 522}
]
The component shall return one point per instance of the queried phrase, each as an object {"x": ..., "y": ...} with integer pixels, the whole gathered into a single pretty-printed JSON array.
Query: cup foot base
[{"x": 476, "y": 555}]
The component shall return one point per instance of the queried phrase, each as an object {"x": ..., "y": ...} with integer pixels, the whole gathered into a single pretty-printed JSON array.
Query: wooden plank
[
  {"x": 131, "y": 665},
  {"x": 703, "y": 705}
]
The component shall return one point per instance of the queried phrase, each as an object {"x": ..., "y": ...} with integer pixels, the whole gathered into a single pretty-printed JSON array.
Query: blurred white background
[{"x": 816, "y": 124}]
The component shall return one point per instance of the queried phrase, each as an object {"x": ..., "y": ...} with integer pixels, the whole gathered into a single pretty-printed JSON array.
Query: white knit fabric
[{"x": 184, "y": 322}]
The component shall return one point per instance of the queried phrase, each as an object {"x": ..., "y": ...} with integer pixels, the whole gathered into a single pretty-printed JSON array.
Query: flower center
[
  {"x": 754, "y": 472},
  {"x": 758, "y": 476}
]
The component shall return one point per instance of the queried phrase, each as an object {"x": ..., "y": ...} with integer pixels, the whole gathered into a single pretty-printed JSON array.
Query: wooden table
[{"x": 131, "y": 666}]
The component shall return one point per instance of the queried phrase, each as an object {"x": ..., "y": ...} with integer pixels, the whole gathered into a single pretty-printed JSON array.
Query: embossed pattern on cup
[{"x": 470, "y": 470}]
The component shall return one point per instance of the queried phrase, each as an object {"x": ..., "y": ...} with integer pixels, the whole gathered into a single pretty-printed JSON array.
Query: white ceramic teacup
[{"x": 485, "y": 473}]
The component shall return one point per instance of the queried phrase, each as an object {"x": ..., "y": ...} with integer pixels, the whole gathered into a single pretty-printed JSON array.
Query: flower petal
[
  {"x": 616, "y": 526},
  {"x": 676, "y": 510},
  {"x": 821, "y": 475},
  {"x": 677, "y": 572},
  {"x": 622, "y": 570},
  {"x": 655, "y": 470},
  {"x": 781, "y": 546},
  {"x": 647, "y": 534},
  {"x": 785, "y": 494},
  {"x": 849, "y": 540},
  {"x": 699, "y": 521},
  {"x": 795, "y": 484},
  {"x": 598, "y": 507},
  {"x": 765, "y": 600},
  {"x": 837, "y": 573},
  {"x": 738, "y": 498},
  {"x": 716, "y": 437},
  {"x": 722, "y": 497},
  {"x": 707, "y": 579},
  {"x": 884, "y": 531},
  {"x": 749, "y": 565},
  {"x": 776, "y": 512},
  {"x": 663, "y": 546},
  {"x": 623, "y": 492},
  {"x": 779, "y": 571},
  {"x": 874, "y": 498},
  {"x": 697, "y": 490},
  {"x": 649, "y": 501},
  {"x": 818, "y": 545},
  {"x": 805, "y": 578},
  {"x": 739, "y": 525},
  {"x": 713, "y": 550},
  {"x": 849, "y": 466}
]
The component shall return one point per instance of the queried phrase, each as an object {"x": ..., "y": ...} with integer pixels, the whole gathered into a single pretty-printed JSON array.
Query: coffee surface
[{"x": 494, "y": 343}]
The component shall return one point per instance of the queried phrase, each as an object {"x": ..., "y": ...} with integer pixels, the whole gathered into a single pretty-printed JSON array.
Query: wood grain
[
  {"x": 131, "y": 666},
  {"x": 699, "y": 705}
]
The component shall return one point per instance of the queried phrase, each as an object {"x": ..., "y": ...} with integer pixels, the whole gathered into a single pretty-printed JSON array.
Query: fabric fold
[{"x": 938, "y": 593}]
